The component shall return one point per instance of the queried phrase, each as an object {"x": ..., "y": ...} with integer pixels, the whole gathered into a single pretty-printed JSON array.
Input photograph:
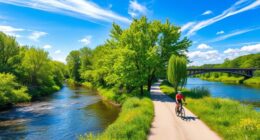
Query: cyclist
[{"x": 179, "y": 97}]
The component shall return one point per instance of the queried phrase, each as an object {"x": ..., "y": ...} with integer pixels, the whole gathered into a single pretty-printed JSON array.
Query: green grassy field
[{"x": 229, "y": 118}]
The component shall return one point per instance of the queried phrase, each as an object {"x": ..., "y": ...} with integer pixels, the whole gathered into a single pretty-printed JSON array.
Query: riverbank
[
  {"x": 229, "y": 118},
  {"x": 134, "y": 120},
  {"x": 254, "y": 81}
]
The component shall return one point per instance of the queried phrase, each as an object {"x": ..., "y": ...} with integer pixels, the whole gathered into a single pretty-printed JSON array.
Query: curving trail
[{"x": 167, "y": 126}]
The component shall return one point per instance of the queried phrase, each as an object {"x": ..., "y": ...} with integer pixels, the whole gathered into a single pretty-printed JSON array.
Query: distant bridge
[{"x": 247, "y": 72}]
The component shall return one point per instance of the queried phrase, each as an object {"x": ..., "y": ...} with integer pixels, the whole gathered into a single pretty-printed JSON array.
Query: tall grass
[
  {"x": 228, "y": 118},
  {"x": 133, "y": 122},
  {"x": 198, "y": 92}
]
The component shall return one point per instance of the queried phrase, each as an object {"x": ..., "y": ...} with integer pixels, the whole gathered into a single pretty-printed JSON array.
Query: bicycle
[{"x": 180, "y": 112}]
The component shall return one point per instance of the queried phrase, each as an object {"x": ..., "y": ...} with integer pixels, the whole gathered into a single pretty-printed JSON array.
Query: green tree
[
  {"x": 73, "y": 63},
  {"x": 10, "y": 91},
  {"x": 146, "y": 46},
  {"x": 9, "y": 49},
  {"x": 38, "y": 72},
  {"x": 177, "y": 71}
]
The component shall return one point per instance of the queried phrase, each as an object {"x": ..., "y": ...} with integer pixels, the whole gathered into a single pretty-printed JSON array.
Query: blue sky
[{"x": 219, "y": 29}]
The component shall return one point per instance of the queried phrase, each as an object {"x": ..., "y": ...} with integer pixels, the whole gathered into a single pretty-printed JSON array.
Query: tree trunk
[
  {"x": 149, "y": 83},
  {"x": 142, "y": 90}
]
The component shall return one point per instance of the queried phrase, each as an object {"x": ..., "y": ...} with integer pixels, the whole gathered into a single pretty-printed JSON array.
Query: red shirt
[{"x": 179, "y": 96}]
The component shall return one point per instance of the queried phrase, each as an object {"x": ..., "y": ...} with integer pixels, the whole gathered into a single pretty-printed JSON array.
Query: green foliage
[
  {"x": 253, "y": 81},
  {"x": 133, "y": 122},
  {"x": 131, "y": 58},
  {"x": 41, "y": 74},
  {"x": 177, "y": 71},
  {"x": 10, "y": 91},
  {"x": 223, "y": 78},
  {"x": 73, "y": 63},
  {"x": 9, "y": 50},
  {"x": 31, "y": 67}
]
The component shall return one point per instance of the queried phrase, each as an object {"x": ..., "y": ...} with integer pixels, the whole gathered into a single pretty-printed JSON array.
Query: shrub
[{"x": 10, "y": 91}]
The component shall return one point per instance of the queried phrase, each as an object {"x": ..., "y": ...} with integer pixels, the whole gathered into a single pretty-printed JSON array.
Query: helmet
[{"x": 179, "y": 92}]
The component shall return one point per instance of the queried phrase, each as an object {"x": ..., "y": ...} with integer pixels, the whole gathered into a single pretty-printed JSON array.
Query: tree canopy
[{"x": 133, "y": 57}]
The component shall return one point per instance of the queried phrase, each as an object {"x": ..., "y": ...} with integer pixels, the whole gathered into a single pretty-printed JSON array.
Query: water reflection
[{"x": 65, "y": 115}]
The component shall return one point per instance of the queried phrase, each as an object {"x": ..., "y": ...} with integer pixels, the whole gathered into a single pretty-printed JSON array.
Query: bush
[
  {"x": 253, "y": 81},
  {"x": 87, "y": 85},
  {"x": 10, "y": 91},
  {"x": 133, "y": 122}
]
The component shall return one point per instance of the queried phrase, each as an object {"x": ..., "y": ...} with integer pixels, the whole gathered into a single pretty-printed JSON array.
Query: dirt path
[{"x": 167, "y": 126}]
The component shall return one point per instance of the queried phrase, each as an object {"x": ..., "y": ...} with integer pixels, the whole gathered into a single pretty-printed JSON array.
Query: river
[
  {"x": 64, "y": 115},
  {"x": 233, "y": 91}
]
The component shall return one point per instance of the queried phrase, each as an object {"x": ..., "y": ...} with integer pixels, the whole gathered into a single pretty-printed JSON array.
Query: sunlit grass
[
  {"x": 133, "y": 123},
  {"x": 228, "y": 118}
]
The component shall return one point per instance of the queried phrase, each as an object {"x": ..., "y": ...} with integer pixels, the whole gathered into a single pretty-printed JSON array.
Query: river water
[
  {"x": 233, "y": 91},
  {"x": 65, "y": 115}
]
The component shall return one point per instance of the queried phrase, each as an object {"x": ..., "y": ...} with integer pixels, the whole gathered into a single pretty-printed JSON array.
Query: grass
[
  {"x": 253, "y": 81},
  {"x": 229, "y": 118},
  {"x": 133, "y": 122}
]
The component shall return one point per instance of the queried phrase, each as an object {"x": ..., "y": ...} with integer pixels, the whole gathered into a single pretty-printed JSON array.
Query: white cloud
[
  {"x": 86, "y": 40},
  {"x": 83, "y": 9},
  {"x": 235, "y": 33},
  {"x": 239, "y": 7},
  {"x": 220, "y": 32},
  {"x": 207, "y": 55},
  {"x": 251, "y": 48},
  {"x": 187, "y": 26},
  {"x": 9, "y": 30},
  {"x": 208, "y": 12},
  {"x": 57, "y": 51},
  {"x": 47, "y": 46},
  {"x": 203, "y": 46},
  {"x": 36, "y": 35},
  {"x": 136, "y": 9},
  {"x": 214, "y": 56}
]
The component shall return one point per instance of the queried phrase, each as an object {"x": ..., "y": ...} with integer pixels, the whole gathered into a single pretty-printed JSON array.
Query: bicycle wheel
[
  {"x": 177, "y": 112},
  {"x": 182, "y": 112}
]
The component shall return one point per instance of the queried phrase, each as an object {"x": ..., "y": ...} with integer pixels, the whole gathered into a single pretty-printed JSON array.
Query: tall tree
[
  {"x": 149, "y": 46},
  {"x": 36, "y": 63},
  {"x": 177, "y": 71},
  {"x": 9, "y": 49},
  {"x": 73, "y": 63}
]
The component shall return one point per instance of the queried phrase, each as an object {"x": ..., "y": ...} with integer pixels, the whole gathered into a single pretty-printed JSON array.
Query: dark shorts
[{"x": 179, "y": 101}]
